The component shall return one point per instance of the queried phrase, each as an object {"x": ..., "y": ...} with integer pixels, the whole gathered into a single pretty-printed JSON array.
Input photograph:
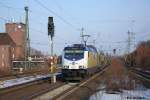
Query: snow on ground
[
  {"x": 18, "y": 81},
  {"x": 118, "y": 78},
  {"x": 125, "y": 95}
]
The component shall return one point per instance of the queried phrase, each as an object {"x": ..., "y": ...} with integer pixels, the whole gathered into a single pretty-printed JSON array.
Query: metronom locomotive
[{"x": 79, "y": 61}]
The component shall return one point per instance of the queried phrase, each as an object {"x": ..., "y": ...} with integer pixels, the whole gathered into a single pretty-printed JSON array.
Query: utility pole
[
  {"x": 131, "y": 44},
  {"x": 129, "y": 48},
  {"x": 129, "y": 41},
  {"x": 82, "y": 33},
  {"x": 84, "y": 37},
  {"x": 133, "y": 34},
  {"x": 27, "y": 39}
]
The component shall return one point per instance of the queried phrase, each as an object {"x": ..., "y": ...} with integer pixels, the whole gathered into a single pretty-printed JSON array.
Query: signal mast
[{"x": 51, "y": 36}]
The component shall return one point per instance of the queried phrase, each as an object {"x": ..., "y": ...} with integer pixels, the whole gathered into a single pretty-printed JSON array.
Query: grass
[{"x": 117, "y": 77}]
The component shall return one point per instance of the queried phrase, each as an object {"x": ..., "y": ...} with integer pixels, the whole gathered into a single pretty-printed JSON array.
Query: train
[{"x": 79, "y": 61}]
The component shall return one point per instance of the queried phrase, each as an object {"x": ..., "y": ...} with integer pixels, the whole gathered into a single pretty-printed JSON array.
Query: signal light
[
  {"x": 66, "y": 67},
  {"x": 81, "y": 67},
  {"x": 51, "y": 57},
  {"x": 50, "y": 27}
]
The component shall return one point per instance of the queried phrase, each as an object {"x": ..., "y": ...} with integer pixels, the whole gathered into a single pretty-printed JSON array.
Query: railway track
[
  {"x": 53, "y": 94},
  {"x": 23, "y": 74},
  {"x": 17, "y": 83},
  {"x": 142, "y": 74},
  {"x": 67, "y": 89},
  {"x": 37, "y": 88},
  {"x": 30, "y": 91},
  {"x": 25, "y": 91}
]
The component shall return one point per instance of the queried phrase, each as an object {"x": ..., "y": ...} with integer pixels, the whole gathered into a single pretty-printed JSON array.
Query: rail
[
  {"x": 67, "y": 89},
  {"x": 141, "y": 73},
  {"x": 24, "y": 80}
]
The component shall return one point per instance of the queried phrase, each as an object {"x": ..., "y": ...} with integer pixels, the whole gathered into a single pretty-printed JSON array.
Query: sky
[{"x": 106, "y": 21}]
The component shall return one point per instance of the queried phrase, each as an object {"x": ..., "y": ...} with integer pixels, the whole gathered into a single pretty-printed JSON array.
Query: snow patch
[
  {"x": 124, "y": 95},
  {"x": 23, "y": 80}
]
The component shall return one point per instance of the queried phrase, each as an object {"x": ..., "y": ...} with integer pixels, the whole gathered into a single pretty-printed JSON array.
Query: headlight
[
  {"x": 81, "y": 67},
  {"x": 66, "y": 67}
]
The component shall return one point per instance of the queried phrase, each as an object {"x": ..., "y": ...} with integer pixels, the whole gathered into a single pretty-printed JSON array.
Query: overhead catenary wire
[
  {"x": 3, "y": 18},
  {"x": 46, "y": 33},
  {"x": 32, "y": 29},
  {"x": 20, "y": 9},
  {"x": 21, "y": 12},
  {"x": 103, "y": 42},
  {"x": 31, "y": 10},
  {"x": 145, "y": 36},
  {"x": 66, "y": 12},
  {"x": 4, "y": 5},
  {"x": 36, "y": 30},
  {"x": 51, "y": 11}
]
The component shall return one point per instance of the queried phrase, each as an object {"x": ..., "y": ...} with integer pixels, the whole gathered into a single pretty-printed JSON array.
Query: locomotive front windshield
[{"x": 73, "y": 54}]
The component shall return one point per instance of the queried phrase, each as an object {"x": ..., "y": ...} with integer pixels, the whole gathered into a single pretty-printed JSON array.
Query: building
[
  {"x": 6, "y": 52},
  {"x": 12, "y": 45},
  {"x": 17, "y": 32}
]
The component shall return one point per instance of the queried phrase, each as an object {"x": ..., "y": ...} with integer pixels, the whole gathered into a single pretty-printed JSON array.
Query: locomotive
[{"x": 79, "y": 61}]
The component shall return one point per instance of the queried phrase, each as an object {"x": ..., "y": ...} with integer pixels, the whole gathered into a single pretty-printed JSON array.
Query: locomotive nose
[{"x": 73, "y": 63}]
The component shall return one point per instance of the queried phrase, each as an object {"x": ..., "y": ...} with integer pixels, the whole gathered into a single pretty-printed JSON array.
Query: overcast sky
[{"x": 107, "y": 21}]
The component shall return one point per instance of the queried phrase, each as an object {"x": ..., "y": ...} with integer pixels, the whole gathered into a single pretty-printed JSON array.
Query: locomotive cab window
[{"x": 74, "y": 54}]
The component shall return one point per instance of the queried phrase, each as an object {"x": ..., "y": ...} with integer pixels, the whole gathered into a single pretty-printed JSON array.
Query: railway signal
[
  {"x": 53, "y": 64},
  {"x": 50, "y": 27},
  {"x": 51, "y": 35}
]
